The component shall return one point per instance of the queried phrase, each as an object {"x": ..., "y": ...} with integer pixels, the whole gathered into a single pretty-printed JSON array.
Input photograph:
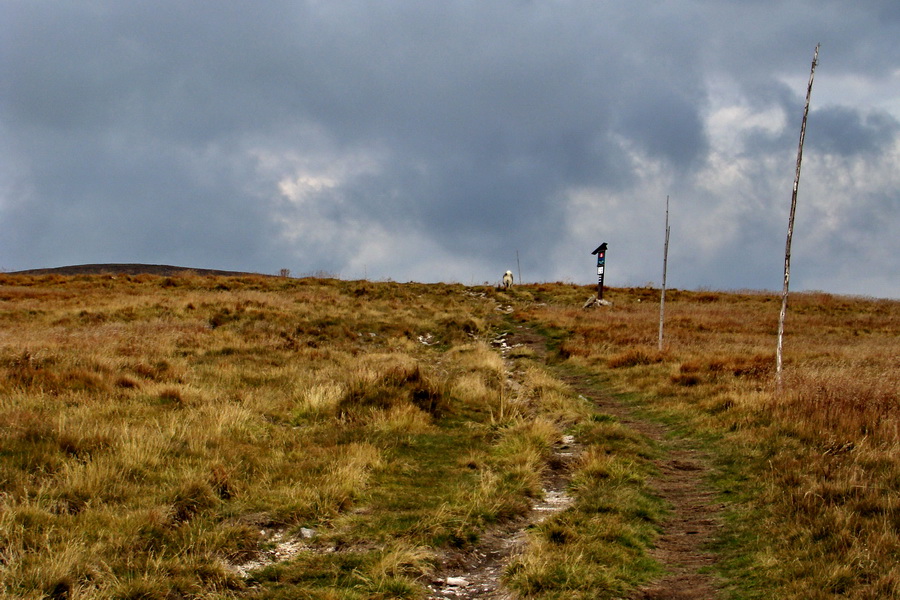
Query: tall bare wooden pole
[
  {"x": 519, "y": 267},
  {"x": 790, "y": 231},
  {"x": 662, "y": 295}
]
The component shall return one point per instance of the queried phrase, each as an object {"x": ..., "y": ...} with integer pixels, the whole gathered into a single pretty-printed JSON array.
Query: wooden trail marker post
[{"x": 601, "y": 267}]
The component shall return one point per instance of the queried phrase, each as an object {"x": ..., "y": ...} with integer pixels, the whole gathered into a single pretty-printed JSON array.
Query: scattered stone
[
  {"x": 285, "y": 549},
  {"x": 594, "y": 302},
  {"x": 456, "y": 582}
]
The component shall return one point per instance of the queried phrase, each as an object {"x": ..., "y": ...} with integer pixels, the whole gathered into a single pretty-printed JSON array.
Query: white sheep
[{"x": 507, "y": 280}]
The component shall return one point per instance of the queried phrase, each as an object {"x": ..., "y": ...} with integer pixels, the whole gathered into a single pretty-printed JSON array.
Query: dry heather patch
[
  {"x": 478, "y": 358},
  {"x": 345, "y": 478},
  {"x": 552, "y": 399},
  {"x": 401, "y": 421},
  {"x": 478, "y": 382},
  {"x": 842, "y": 403},
  {"x": 391, "y": 381}
]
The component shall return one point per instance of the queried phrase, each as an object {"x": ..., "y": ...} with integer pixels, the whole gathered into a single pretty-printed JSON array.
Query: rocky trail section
[{"x": 477, "y": 572}]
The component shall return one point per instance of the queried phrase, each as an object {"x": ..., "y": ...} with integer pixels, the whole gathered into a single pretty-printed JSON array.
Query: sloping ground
[
  {"x": 695, "y": 516},
  {"x": 693, "y": 520},
  {"x": 274, "y": 438},
  {"x": 320, "y": 438},
  {"x": 127, "y": 269},
  {"x": 808, "y": 472}
]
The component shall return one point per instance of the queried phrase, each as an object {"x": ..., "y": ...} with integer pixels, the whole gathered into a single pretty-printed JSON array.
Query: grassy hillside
[
  {"x": 810, "y": 472},
  {"x": 258, "y": 437}
]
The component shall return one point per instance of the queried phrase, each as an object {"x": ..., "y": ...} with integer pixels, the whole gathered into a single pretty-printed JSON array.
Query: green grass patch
[
  {"x": 362, "y": 575},
  {"x": 598, "y": 548}
]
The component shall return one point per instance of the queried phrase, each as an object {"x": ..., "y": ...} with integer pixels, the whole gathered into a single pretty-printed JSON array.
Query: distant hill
[{"x": 126, "y": 269}]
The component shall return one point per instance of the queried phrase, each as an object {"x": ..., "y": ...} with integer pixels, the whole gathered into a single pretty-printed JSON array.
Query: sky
[{"x": 453, "y": 140}]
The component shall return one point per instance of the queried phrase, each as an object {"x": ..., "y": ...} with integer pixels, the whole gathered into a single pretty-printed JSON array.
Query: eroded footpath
[
  {"x": 681, "y": 482},
  {"x": 691, "y": 524},
  {"x": 695, "y": 515}
]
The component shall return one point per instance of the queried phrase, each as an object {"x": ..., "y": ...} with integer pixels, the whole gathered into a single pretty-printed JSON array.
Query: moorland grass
[
  {"x": 810, "y": 470},
  {"x": 160, "y": 432}
]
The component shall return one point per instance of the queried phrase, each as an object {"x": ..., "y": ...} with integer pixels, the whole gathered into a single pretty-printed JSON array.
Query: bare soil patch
[{"x": 476, "y": 573}]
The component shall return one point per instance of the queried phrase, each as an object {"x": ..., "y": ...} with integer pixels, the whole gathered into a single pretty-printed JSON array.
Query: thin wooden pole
[
  {"x": 518, "y": 267},
  {"x": 662, "y": 295},
  {"x": 790, "y": 231}
]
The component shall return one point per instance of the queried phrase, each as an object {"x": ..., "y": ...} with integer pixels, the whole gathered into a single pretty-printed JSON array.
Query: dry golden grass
[
  {"x": 160, "y": 431},
  {"x": 156, "y": 431},
  {"x": 153, "y": 427},
  {"x": 818, "y": 458}
]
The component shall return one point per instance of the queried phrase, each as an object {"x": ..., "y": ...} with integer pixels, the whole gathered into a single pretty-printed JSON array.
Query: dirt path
[
  {"x": 691, "y": 526},
  {"x": 695, "y": 515},
  {"x": 476, "y": 573}
]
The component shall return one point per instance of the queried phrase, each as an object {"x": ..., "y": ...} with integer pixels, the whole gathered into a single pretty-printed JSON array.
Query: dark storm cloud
[
  {"x": 288, "y": 133},
  {"x": 844, "y": 131}
]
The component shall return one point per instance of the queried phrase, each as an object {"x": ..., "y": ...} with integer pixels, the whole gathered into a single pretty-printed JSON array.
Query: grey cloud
[
  {"x": 756, "y": 40},
  {"x": 138, "y": 206},
  {"x": 845, "y": 131},
  {"x": 160, "y": 132},
  {"x": 666, "y": 127}
]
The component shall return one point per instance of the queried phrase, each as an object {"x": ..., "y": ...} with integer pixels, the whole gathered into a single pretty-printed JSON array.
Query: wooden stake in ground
[
  {"x": 519, "y": 267},
  {"x": 662, "y": 295},
  {"x": 790, "y": 231}
]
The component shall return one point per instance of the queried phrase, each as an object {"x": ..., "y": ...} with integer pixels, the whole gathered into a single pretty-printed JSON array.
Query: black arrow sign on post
[{"x": 601, "y": 267}]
